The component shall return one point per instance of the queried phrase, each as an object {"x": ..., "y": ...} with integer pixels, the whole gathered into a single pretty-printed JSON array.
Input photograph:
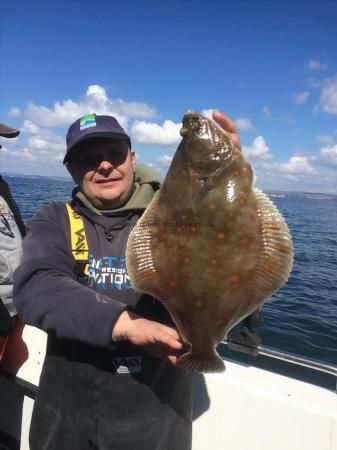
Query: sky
[{"x": 270, "y": 65}]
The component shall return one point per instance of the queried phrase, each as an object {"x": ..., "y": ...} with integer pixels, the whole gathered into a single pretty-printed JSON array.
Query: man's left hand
[{"x": 228, "y": 126}]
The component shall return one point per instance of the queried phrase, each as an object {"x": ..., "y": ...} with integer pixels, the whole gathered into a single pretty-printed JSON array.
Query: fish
[{"x": 210, "y": 246}]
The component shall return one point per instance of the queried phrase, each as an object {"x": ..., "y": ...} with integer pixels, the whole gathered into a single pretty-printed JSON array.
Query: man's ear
[{"x": 133, "y": 159}]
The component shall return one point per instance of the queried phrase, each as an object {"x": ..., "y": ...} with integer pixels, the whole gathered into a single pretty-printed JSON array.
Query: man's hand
[
  {"x": 159, "y": 340},
  {"x": 228, "y": 126}
]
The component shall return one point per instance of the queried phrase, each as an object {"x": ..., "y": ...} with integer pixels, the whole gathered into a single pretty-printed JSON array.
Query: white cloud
[
  {"x": 313, "y": 182},
  {"x": 39, "y": 153},
  {"x": 18, "y": 155},
  {"x": 30, "y": 127},
  {"x": 315, "y": 64},
  {"x": 266, "y": 112},
  {"x": 328, "y": 97},
  {"x": 259, "y": 150},
  {"x": 95, "y": 100},
  {"x": 327, "y": 156},
  {"x": 62, "y": 114},
  {"x": 39, "y": 150},
  {"x": 153, "y": 134},
  {"x": 164, "y": 160},
  {"x": 132, "y": 109},
  {"x": 301, "y": 97},
  {"x": 243, "y": 123},
  {"x": 46, "y": 141},
  {"x": 27, "y": 155},
  {"x": 14, "y": 113},
  {"x": 297, "y": 165},
  {"x": 324, "y": 139},
  {"x": 57, "y": 157},
  {"x": 97, "y": 92}
]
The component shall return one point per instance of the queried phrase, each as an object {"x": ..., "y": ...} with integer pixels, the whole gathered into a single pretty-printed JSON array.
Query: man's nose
[{"x": 105, "y": 166}]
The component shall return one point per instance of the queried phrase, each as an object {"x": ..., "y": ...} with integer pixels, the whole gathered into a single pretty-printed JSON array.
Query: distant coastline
[
  {"x": 41, "y": 177},
  {"x": 299, "y": 194}
]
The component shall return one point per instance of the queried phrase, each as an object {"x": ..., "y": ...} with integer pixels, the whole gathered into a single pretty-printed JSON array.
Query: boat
[
  {"x": 252, "y": 408},
  {"x": 266, "y": 399}
]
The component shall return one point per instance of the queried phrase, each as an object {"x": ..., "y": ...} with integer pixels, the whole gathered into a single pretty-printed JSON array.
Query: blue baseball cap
[{"x": 93, "y": 126}]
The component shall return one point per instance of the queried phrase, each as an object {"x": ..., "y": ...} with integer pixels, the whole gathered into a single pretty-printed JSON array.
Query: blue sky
[{"x": 270, "y": 65}]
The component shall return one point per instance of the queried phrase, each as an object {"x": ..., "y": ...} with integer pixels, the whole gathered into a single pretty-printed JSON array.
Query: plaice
[{"x": 210, "y": 246}]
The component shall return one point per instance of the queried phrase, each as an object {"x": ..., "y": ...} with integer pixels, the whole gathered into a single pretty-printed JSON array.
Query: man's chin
[
  {"x": 109, "y": 203},
  {"x": 109, "y": 199}
]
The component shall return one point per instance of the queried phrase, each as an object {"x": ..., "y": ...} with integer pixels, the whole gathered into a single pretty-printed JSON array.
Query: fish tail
[{"x": 211, "y": 362}]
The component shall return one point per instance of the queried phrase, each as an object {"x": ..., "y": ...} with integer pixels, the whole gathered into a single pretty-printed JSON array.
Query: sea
[{"x": 301, "y": 317}]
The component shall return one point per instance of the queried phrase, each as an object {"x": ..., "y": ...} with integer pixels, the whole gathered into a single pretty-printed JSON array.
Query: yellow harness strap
[{"x": 79, "y": 245}]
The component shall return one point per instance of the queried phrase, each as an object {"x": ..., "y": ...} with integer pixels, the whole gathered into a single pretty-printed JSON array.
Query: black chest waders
[{"x": 109, "y": 399}]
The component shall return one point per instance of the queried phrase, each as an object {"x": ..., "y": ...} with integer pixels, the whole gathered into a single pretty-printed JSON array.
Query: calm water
[{"x": 302, "y": 316}]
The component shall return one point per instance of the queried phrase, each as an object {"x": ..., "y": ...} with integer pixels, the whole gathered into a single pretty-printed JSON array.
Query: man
[
  {"x": 12, "y": 230},
  {"x": 108, "y": 380}
]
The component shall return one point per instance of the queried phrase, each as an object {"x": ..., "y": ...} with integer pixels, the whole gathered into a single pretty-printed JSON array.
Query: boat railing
[
  {"x": 281, "y": 355},
  {"x": 318, "y": 366}
]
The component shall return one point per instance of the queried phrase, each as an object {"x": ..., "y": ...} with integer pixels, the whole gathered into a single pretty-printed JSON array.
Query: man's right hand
[{"x": 159, "y": 340}]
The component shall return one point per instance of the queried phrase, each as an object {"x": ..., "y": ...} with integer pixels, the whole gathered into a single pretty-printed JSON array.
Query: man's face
[{"x": 104, "y": 172}]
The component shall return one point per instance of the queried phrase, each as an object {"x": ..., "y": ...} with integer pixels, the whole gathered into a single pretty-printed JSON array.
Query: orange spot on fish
[
  {"x": 235, "y": 278},
  {"x": 165, "y": 236},
  {"x": 221, "y": 236},
  {"x": 242, "y": 201},
  {"x": 148, "y": 273},
  {"x": 172, "y": 284},
  {"x": 230, "y": 215},
  {"x": 244, "y": 241},
  {"x": 269, "y": 269},
  {"x": 199, "y": 304},
  {"x": 236, "y": 173},
  {"x": 274, "y": 226}
]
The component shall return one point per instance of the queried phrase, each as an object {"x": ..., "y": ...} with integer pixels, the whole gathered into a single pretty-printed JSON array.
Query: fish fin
[
  {"x": 139, "y": 261},
  {"x": 276, "y": 260},
  {"x": 193, "y": 362}
]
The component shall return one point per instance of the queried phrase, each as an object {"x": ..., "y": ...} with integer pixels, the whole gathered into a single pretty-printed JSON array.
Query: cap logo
[{"x": 88, "y": 121}]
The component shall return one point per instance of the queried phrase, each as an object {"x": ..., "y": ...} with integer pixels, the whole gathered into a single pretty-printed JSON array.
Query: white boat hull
[{"x": 253, "y": 409}]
